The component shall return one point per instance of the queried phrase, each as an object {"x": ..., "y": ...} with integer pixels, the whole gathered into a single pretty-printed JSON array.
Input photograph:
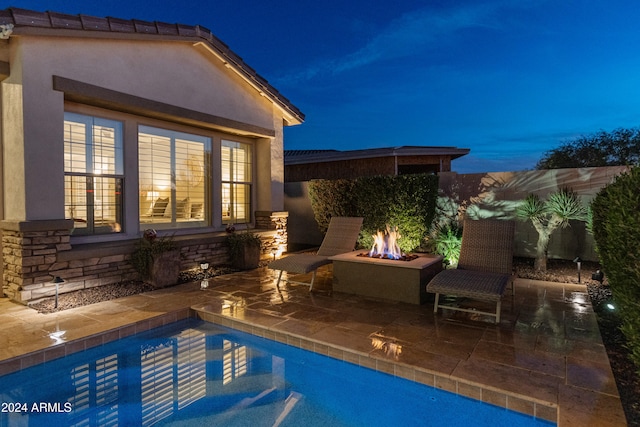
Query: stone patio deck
[{"x": 545, "y": 358}]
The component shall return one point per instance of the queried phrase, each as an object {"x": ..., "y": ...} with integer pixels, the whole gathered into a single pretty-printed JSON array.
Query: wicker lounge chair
[
  {"x": 485, "y": 267},
  {"x": 341, "y": 237}
]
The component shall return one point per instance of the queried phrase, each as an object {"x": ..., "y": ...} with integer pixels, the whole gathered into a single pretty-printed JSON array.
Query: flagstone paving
[{"x": 545, "y": 358}]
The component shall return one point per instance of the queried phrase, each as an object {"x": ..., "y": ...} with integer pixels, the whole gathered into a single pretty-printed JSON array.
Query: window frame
[
  {"x": 234, "y": 183},
  {"x": 171, "y": 221},
  {"x": 92, "y": 173}
]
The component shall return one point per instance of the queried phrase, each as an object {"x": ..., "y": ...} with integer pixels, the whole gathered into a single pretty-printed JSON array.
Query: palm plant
[{"x": 546, "y": 216}]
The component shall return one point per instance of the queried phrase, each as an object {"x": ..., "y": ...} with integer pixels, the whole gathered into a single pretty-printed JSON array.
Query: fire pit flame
[{"x": 385, "y": 245}]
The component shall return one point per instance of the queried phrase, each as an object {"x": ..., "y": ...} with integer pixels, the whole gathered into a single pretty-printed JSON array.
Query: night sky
[{"x": 508, "y": 79}]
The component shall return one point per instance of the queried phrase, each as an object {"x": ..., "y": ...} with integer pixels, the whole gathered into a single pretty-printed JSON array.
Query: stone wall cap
[
  {"x": 36, "y": 225},
  {"x": 272, "y": 213}
]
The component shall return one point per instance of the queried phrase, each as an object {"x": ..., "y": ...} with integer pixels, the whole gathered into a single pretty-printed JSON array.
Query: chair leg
[
  {"x": 498, "y": 305},
  {"x": 435, "y": 303},
  {"x": 313, "y": 278},
  {"x": 279, "y": 277}
]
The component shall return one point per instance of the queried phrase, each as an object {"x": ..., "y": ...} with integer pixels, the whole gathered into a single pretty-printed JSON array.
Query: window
[
  {"x": 173, "y": 178},
  {"x": 93, "y": 174},
  {"x": 236, "y": 182}
]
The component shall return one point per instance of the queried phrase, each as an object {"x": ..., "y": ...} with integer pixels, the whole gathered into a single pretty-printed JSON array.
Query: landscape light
[
  {"x": 610, "y": 306},
  {"x": 578, "y": 261},
  {"x": 204, "y": 266},
  {"x": 598, "y": 276},
  {"x": 57, "y": 280}
]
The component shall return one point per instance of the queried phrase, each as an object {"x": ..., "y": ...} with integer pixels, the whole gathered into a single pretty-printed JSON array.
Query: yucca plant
[{"x": 546, "y": 216}]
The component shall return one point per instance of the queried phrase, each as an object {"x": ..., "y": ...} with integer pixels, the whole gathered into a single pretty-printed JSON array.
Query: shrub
[
  {"x": 405, "y": 201},
  {"x": 616, "y": 230},
  {"x": 147, "y": 249},
  {"x": 331, "y": 198},
  {"x": 238, "y": 241}
]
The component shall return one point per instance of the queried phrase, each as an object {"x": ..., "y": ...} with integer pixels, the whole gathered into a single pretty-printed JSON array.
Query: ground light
[
  {"x": 204, "y": 266},
  {"x": 57, "y": 280},
  {"x": 610, "y": 306},
  {"x": 578, "y": 261},
  {"x": 598, "y": 276}
]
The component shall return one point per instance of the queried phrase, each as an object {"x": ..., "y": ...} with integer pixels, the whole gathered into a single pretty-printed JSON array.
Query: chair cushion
[
  {"x": 468, "y": 283},
  {"x": 299, "y": 263}
]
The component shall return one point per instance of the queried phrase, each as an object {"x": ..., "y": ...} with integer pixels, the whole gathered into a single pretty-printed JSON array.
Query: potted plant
[
  {"x": 244, "y": 250},
  {"x": 157, "y": 260}
]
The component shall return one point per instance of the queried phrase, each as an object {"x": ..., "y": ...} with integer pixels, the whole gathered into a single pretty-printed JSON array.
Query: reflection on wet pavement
[{"x": 545, "y": 358}]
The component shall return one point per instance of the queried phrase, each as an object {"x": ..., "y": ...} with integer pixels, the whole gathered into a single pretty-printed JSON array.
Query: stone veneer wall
[
  {"x": 34, "y": 252},
  {"x": 275, "y": 244}
]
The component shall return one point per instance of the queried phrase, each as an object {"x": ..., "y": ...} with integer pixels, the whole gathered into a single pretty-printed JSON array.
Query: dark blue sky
[{"x": 509, "y": 79}]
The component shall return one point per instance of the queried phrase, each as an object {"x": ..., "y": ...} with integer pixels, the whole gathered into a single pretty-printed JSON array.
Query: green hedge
[
  {"x": 616, "y": 230},
  {"x": 405, "y": 201}
]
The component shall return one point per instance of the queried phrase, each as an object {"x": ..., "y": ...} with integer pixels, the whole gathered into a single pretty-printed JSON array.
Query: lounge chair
[
  {"x": 485, "y": 267},
  {"x": 341, "y": 237}
]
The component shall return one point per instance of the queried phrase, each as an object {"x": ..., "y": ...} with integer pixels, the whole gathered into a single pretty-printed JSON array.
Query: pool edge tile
[{"x": 531, "y": 407}]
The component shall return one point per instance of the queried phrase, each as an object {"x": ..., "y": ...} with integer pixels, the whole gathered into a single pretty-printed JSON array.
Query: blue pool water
[{"x": 194, "y": 373}]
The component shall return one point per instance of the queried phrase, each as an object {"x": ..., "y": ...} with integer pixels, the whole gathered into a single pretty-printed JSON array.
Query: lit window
[
  {"x": 93, "y": 174},
  {"x": 173, "y": 178},
  {"x": 236, "y": 182},
  {"x": 234, "y": 361}
]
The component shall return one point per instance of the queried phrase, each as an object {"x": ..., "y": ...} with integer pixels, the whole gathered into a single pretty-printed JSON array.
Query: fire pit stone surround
[{"x": 397, "y": 280}]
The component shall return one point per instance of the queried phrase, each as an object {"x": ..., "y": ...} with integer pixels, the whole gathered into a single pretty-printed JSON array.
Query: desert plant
[
  {"x": 446, "y": 240},
  {"x": 616, "y": 230},
  {"x": 148, "y": 248},
  {"x": 546, "y": 216}
]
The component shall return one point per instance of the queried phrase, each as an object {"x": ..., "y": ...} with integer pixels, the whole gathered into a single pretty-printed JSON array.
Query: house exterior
[
  {"x": 305, "y": 165},
  {"x": 110, "y": 127}
]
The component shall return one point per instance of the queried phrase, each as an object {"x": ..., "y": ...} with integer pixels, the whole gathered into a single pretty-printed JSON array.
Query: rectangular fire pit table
[{"x": 395, "y": 280}]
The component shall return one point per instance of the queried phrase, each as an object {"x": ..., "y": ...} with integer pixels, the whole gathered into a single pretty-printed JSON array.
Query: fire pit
[
  {"x": 385, "y": 272},
  {"x": 385, "y": 278},
  {"x": 385, "y": 246}
]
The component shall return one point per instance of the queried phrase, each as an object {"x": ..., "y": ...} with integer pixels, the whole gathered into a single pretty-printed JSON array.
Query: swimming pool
[{"x": 197, "y": 373}]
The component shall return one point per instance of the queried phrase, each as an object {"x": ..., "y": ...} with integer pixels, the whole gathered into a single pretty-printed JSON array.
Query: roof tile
[
  {"x": 121, "y": 25},
  {"x": 167, "y": 29},
  {"x": 145, "y": 27},
  {"x": 61, "y": 20},
  {"x": 187, "y": 30},
  {"x": 204, "y": 32},
  {"x": 30, "y": 18},
  {"x": 6, "y": 17},
  {"x": 94, "y": 23}
]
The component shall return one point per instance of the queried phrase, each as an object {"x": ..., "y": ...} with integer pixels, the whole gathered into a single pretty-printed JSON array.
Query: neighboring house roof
[
  {"x": 293, "y": 153},
  {"x": 297, "y": 157},
  {"x": 21, "y": 21}
]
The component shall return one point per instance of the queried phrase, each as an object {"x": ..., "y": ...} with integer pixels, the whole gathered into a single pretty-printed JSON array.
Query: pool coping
[
  {"x": 523, "y": 404},
  {"x": 527, "y": 405}
]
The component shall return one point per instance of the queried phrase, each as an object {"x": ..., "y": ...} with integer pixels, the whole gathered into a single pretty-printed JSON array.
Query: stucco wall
[
  {"x": 497, "y": 194},
  {"x": 174, "y": 73},
  {"x": 303, "y": 230},
  {"x": 178, "y": 76}
]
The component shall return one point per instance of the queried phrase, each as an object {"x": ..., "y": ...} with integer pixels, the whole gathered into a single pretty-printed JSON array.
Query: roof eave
[
  {"x": 51, "y": 24},
  {"x": 454, "y": 153}
]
